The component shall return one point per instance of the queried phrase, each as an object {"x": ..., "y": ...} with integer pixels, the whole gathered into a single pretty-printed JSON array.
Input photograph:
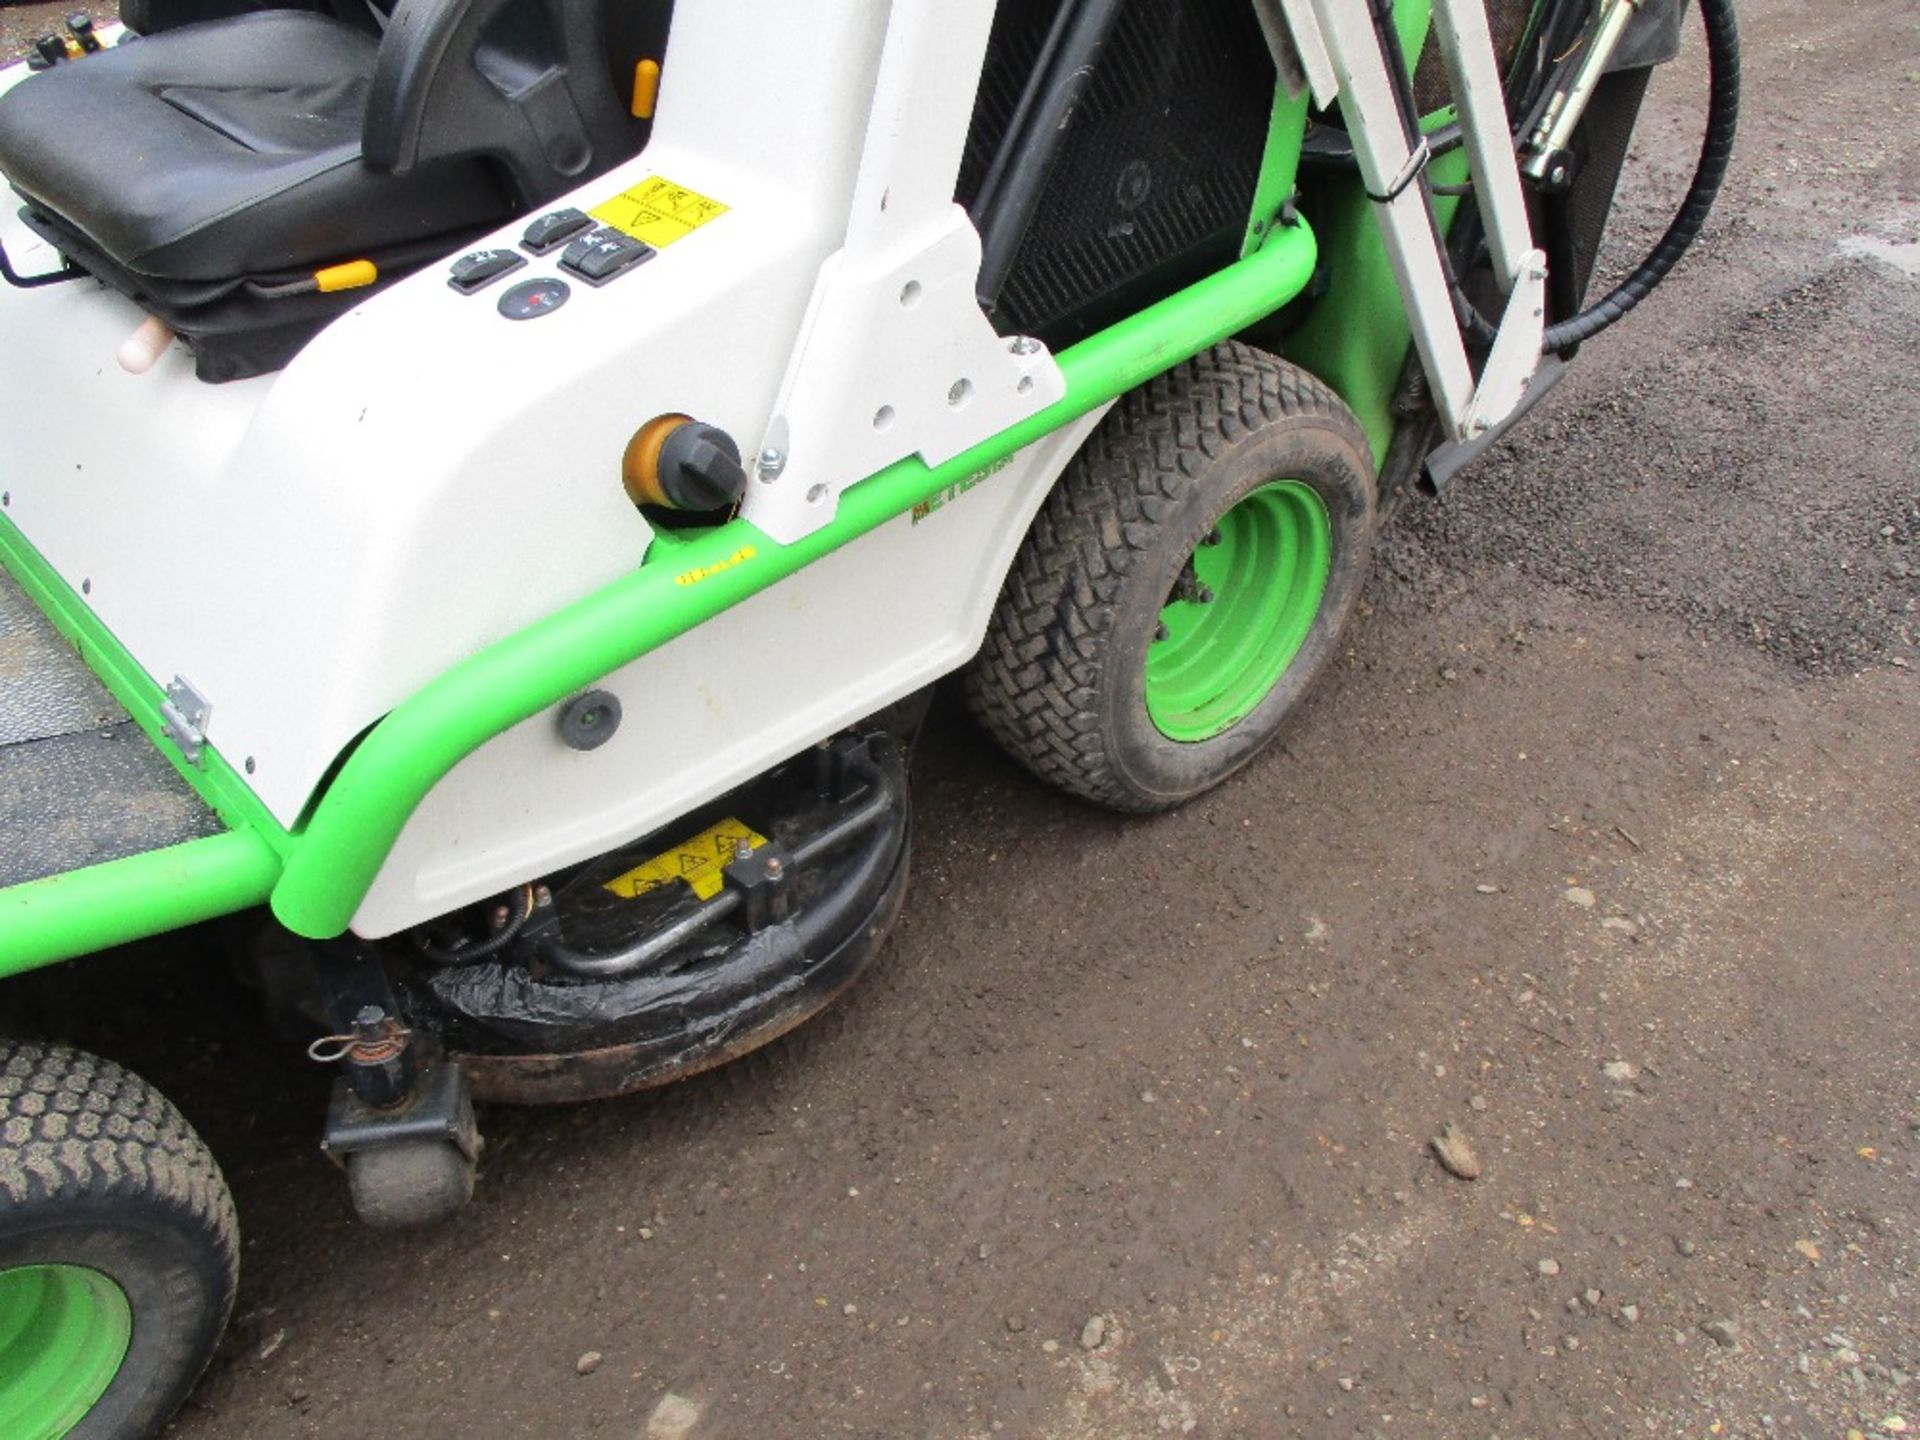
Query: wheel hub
[
  {"x": 63, "y": 1333},
  {"x": 1239, "y": 611}
]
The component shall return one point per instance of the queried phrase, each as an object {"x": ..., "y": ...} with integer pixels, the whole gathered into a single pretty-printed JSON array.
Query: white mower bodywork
[{"x": 308, "y": 549}]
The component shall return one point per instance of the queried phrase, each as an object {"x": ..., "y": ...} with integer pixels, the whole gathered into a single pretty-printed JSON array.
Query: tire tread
[
  {"x": 77, "y": 1127},
  {"x": 1032, "y": 686}
]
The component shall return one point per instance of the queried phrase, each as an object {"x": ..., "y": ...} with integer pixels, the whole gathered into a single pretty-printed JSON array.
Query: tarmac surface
[{"x": 1601, "y": 845}]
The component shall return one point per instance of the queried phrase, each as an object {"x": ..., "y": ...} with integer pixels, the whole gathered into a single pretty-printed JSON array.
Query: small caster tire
[
  {"x": 410, "y": 1183},
  {"x": 119, "y": 1249},
  {"x": 1184, "y": 584}
]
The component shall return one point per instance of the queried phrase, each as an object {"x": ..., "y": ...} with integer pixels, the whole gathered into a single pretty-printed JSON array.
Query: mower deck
[{"x": 83, "y": 785}]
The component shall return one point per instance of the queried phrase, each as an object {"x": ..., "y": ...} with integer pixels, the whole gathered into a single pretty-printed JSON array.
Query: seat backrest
[{"x": 523, "y": 82}]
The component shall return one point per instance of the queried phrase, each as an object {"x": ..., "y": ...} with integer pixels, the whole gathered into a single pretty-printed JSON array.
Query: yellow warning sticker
[
  {"x": 658, "y": 211},
  {"x": 698, "y": 861}
]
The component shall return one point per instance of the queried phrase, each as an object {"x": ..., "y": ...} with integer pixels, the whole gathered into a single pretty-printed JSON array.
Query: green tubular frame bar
[{"x": 316, "y": 876}]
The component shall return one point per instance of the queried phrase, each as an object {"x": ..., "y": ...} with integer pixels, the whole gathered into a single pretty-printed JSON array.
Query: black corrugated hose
[{"x": 1716, "y": 149}]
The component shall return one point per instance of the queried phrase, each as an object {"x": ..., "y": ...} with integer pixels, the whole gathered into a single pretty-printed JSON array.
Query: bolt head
[
  {"x": 1024, "y": 345},
  {"x": 772, "y": 462}
]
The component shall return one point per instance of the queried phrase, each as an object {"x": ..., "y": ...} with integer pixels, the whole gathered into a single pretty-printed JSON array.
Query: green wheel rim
[
  {"x": 1241, "y": 611},
  {"x": 63, "y": 1333}
]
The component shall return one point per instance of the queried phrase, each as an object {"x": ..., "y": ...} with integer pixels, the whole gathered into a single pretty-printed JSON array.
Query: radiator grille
[{"x": 1155, "y": 177}]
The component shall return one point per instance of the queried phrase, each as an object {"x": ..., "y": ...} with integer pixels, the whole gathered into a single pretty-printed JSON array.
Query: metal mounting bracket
[
  {"x": 184, "y": 713},
  {"x": 894, "y": 356}
]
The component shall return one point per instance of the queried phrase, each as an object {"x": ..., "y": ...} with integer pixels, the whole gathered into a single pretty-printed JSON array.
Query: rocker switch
[
  {"x": 604, "y": 255},
  {"x": 553, "y": 230},
  {"x": 477, "y": 269}
]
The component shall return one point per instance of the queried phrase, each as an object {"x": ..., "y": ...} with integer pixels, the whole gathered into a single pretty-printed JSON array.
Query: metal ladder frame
[{"x": 1342, "y": 59}]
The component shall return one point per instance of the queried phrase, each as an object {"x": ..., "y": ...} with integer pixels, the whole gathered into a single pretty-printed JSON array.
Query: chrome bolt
[
  {"x": 772, "y": 462},
  {"x": 774, "y": 868},
  {"x": 1024, "y": 345},
  {"x": 743, "y": 850}
]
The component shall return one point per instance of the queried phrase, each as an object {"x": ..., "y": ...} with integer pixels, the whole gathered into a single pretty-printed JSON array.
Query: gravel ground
[{"x": 1599, "y": 847}]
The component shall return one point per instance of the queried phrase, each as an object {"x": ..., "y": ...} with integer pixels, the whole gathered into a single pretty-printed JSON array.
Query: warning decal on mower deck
[
  {"x": 658, "y": 211},
  {"x": 698, "y": 861}
]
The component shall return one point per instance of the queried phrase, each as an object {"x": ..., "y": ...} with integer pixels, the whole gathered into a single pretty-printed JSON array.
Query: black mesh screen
[
  {"x": 1601, "y": 142},
  {"x": 1155, "y": 178}
]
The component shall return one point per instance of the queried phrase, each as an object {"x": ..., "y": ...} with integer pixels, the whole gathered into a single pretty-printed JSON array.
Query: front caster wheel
[
  {"x": 410, "y": 1183},
  {"x": 1183, "y": 585},
  {"x": 119, "y": 1250}
]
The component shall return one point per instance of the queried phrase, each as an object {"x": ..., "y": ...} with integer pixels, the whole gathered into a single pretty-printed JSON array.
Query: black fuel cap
[{"x": 700, "y": 468}]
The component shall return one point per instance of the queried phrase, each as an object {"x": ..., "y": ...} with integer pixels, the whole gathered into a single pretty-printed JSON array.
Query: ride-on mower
[{"x": 492, "y": 482}]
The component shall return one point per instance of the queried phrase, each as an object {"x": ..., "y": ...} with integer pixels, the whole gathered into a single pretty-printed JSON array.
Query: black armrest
[{"x": 525, "y": 82}]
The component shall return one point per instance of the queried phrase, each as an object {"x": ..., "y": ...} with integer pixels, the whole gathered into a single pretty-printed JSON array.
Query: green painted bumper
[{"x": 316, "y": 875}]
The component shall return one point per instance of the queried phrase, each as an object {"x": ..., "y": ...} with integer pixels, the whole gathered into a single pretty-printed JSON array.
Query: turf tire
[
  {"x": 98, "y": 1169},
  {"x": 1060, "y": 682}
]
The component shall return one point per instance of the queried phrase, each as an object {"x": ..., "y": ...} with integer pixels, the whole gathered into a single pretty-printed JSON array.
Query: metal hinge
[{"x": 185, "y": 712}]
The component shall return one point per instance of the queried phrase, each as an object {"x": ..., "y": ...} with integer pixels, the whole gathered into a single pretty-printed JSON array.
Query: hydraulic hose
[
  {"x": 1716, "y": 150},
  {"x": 516, "y": 921}
]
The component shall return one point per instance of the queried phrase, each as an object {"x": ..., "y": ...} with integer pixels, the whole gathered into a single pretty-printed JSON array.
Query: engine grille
[{"x": 1156, "y": 174}]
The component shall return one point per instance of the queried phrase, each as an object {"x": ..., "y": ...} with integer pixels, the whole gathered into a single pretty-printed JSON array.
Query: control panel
[{"x": 592, "y": 247}]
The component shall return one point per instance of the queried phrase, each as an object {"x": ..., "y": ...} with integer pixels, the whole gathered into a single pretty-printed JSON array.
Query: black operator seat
[{"x": 206, "y": 171}]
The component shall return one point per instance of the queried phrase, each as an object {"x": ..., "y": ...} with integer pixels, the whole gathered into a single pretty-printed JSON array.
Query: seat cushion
[
  {"x": 150, "y": 17},
  {"x": 226, "y": 150}
]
